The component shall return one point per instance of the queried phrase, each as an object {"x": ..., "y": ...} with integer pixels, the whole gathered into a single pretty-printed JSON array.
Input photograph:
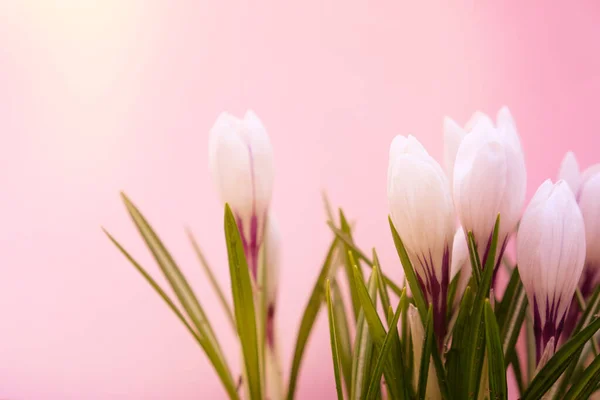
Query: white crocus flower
[
  {"x": 241, "y": 163},
  {"x": 551, "y": 254},
  {"x": 586, "y": 187},
  {"x": 489, "y": 178},
  {"x": 417, "y": 333},
  {"x": 422, "y": 212}
]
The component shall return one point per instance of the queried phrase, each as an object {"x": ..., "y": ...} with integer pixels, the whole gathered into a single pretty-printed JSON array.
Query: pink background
[{"x": 96, "y": 97}]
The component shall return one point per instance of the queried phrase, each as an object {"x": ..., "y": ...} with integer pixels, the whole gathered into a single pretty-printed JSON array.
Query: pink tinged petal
[
  {"x": 453, "y": 135},
  {"x": 589, "y": 172},
  {"x": 589, "y": 203},
  {"x": 272, "y": 245},
  {"x": 460, "y": 263},
  {"x": 551, "y": 253},
  {"x": 569, "y": 171},
  {"x": 478, "y": 118}
]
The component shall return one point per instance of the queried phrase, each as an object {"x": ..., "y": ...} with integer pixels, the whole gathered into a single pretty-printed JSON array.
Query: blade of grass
[
  {"x": 475, "y": 260},
  {"x": 211, "y": 278},
  {"x": 457, "y": 357},
  {"x": 343, "y": 335},
  {"x": 394, "y": 368},
  {"x": 174, "y": 276},
  {"x": 308, "y": 319},
  {"x": 383, "y": 293},
  {"x": 385, "y": 352},
  {"x": 243, "y": 303},
  {"x": 590, "y": 311},
  {"x": 426, "y": 355},
  {"x": 583, "y": 388},
  {"x": 550, "y": 373},
  {"x": 497, "y": 371},
  {"x": 349, "y": 262},
  {"x": 476, "y": 351},
  {"x": 360, "y": 255},
  {"x": 221, "y": 368},
  {"x": 363, "y": 348},
  {"x": 334, "y": 344}
]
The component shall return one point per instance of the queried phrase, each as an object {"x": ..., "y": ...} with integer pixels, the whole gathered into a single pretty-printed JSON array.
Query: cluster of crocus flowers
[{"x": 484, "y": 177}]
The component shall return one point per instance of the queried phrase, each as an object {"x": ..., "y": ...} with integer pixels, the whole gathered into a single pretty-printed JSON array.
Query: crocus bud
[
  {"x": 417, "y": 333},
  {"x": 460, "y": 263},
  {"x": 490, "y": 179},
  {"x": 550, "y": 255},
  {"x": 586, "y": 187},
  {"x": 422, "y": 212},
  {"x": 241, "y": 163}
]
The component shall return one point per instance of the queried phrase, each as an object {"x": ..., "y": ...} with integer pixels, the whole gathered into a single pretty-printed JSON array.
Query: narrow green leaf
[
  {"x": 476, "y": 351},
  {"x": 516, "y": 364},
  {"x": 583, "y": 388},
  {"x": 457, "y": 357},
  {"x": 426, "y": 355},
  {"x": 593, "y": 307},
  {"x": 360, "y": 255},
  {"x": 410, "y": 275},
  {"x": 530, "y": 345},
  {"x": 451, "y": 296},
  {"x": 211, "y": 278},
  {"x": 217, "y": 363},
  {"x": 385, "y": 352},
  {"x": 343, "y": 334},
  {"x": 363, "y": 346},
  {"x": 514, "y": 284},
  {"x": 475, "y": 260},
  {"x": 349, "y": 257},
  {"x": 383, "y": 293},
  {"x": 512, "y": 327},
  {"x": 420, "y": 303},
  {"x": 174, "y": 276},
  {"x": 334, "y": 343},
  {"x": 243, "y": 302},
  {"x": 497, "y": 371},
  {"x": 550, "y": 373},
  {"x": 308, "y": 319}
]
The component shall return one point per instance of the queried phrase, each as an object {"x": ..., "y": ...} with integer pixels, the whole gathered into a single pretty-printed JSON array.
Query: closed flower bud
[
  {"x": 550, "y": 255},
  {"x": 241, "y": 163},
  {"x": 586, "y": 187},
  {"x": 422, "y": 212},
  {"x": 489, "y": 178}
]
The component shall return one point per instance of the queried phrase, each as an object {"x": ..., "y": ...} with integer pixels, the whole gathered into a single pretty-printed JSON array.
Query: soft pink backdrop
[{"x": 96, "y": 97}]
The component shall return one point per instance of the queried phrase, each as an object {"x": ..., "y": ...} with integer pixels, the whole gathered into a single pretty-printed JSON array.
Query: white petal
[
  {"x": 481, "y": 119},
  {"x": 272, "y": 244},
  {"x": 589, "y": 203},
  {"x": 569, "y": 171},
  {"x": 453, "y": 135},
  {"x": 551, "y": 247},
  {"x": 460, "y": 262}
]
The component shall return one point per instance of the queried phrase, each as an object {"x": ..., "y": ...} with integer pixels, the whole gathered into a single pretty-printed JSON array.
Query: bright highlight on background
[{"x": 97, "y": 97}]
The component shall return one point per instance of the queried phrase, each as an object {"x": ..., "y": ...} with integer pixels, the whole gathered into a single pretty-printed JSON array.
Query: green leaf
[
  {"x": 211, "y": 278},
  {"x": 476, "y": 352},
  {"x": 349, "y": 257},
  {"x": 420, "y": 303},
  {"x": 591, "y": 310},
  {"x": 218, "y": 364},
  {"x": 497, "y": 371},
  {"x": 452, "y": 295},
  {"x": 385, "y": 352},
  {"x": 360, "y": 255},
  {"x": 426, "y": 354},
  {"x": 383, "y": 293},
  {"x": 308, "y": 319},
  {"x": 475, "y": 260},
  {"x": 583, "y": 388},
  {"x": 457, "y": 357},
  {"x": 501, "y": 307},
  {"x": 550, "y": 373},
  {"x": 343, "y": 335},
  {"x": 243, "y": 303},
  {"x": 334, "y": 343},
  {"x": 174, "y": 276},
  {"x": 516, "y": 364},
  {"x": 363, "y": 346},
  {"x": 512, "y": 327}
]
